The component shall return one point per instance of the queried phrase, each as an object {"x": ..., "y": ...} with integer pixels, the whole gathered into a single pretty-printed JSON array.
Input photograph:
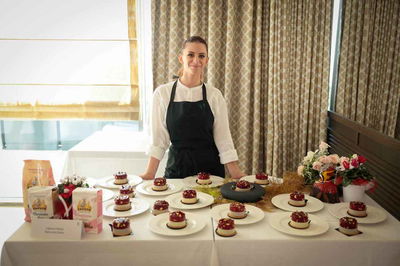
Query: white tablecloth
[{"x": 256, "y": 244}]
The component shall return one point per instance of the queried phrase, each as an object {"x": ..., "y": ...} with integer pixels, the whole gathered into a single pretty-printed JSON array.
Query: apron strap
[
  {"x": 204, "y": 92},
  {"x": 171, "y": 99}
]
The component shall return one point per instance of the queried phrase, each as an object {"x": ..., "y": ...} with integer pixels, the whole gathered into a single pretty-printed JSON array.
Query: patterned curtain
[
  {"x": 270, "y": 59},
  {"x": 369, "y": 69}
]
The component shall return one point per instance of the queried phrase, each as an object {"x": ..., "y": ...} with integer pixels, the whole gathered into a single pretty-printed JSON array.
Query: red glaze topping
[
  {"x": 120, "y": 223},
  {"x": 120, "y": 175},
  {"x": 348, "y": 223},
  {"x": 121, "y": 199},
  {"x": 298, "y": 196},
  {"x": 126, "y": 189},
  {"x": 203, "y": 175},
  {"x": 226, "y": 224},
  {"x": 299, "y": 217},
  {"x": 243, "y": 184},
  {"x": 160, "y": 181},
  {"x": 357, "y": 206},
  {"x": 177, "y": 216},
  {"x": 261, "y": 176},
  {"x": 189, "y": 194},
  {"x": 237, "y": 207},
  {"x": 160, "y": 205}
]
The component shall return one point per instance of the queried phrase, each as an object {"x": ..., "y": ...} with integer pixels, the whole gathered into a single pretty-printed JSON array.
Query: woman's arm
[
  {"x": 151, "y": 170},
  {"x": 234, "y": 170}
]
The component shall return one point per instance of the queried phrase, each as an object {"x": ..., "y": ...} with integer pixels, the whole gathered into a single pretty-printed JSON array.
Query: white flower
[
  {"x": 309, "y": 156},
  {"x": 300, "y": 170},
  {"x": 323, "y": 146}
]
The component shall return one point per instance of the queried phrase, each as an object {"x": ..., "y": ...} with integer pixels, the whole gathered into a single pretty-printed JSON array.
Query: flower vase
[
  {"x": 354, "y": 193},
  {"x": 326, "y": 191}
]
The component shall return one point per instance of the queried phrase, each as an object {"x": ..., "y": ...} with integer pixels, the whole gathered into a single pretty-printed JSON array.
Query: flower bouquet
[
  {"x": 353, "y": 174},
  {"x": 306, "y": 169},
  {"x": 65, "y": 188}
]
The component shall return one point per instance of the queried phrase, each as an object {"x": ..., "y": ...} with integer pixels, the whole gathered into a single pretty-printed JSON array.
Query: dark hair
[{"x": 197, "y": 39}]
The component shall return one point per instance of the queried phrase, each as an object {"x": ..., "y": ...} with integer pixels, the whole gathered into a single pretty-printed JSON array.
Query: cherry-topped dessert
[
  {"x": 348, "y": 226},
  {"x": 121, "y": 226},
  {"x": 120, "y": 178},
  {"x": 177, "y": 220},
  {"x": 122, "y": 203},
  {"x": 297, "y": 199},
  {"x": 189, "y": 196},
  {"x": 261, "y": 179},
  {"x": 237, "y": 210},
  {"x": 243, "y": 185},
  {"x": 160, "y": 206},
  {"x": 357, "y": 209},
  {"x": 160, "y": 184},
  {"x": 127, "y": 190},
  {"x": 226, "y": 227},
  {"x": 299, "y": 220},
  {"x": 203, "y": 178}
]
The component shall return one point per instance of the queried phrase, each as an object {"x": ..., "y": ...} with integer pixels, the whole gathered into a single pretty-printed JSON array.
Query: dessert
[
  {"x": 177, "y": 220},
  {"x": 120, "y": 178},
  {"x": 297, "y": 199},
  {"x": 237, "y": 210},
  {"x": 226, "y": 227},
  {"x": 243, "y": 185},
  {"x": 299, "y": 220},
  {"x": 357, "y": 209},
  {"x": 261, "y": 179},
  {"x": 122, "y": 203},
  {"x": 121, "y": 227},
  {"x": 160, "y": 184},
  {"x": 127, "y": 190},
  {"x": 189, "y": 196},
  {"x": 348, "y": 226},
  {"x": 160, "y": 206},
  {"x": 203, "y": 178}
]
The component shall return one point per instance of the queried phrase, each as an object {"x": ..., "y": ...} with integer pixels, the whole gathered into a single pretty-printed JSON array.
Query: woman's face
[{"x": 194, "y": 58}]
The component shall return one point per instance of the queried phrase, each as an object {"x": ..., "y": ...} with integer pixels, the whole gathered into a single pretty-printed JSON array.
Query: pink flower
[
  {"x": 346, "y": 164},
  {"x": 323, "y": 146},
  {"x": 334, "y": 158},
  {"x": 317, "y": 166},
  {"x": 354, "y": 163}
]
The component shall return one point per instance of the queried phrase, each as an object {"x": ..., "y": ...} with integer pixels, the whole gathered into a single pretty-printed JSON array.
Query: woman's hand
[
  {"x": 151, "y": 170},
  {"x": 234, "y": 170},
  {"x": 147, "y": 176}
]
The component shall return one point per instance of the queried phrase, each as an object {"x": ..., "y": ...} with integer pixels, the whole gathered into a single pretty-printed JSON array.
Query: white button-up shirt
[{"x": 160, "y": 140}]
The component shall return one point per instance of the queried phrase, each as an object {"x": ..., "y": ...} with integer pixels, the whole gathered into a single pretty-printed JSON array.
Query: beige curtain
[
  {"x": 271, "y": 61},
  {"x": 369, "y": 68}
]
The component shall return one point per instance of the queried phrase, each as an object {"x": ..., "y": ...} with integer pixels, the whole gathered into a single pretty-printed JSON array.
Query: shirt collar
[{"x": 187, "y": 88}]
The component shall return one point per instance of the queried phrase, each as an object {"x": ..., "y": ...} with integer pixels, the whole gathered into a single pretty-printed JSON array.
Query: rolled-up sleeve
[
  {"x": 160, "y": 139},
  {"x": 222, "y": 133}
]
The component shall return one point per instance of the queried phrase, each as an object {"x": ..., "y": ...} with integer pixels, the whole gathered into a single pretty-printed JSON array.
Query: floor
[{"x": 11, "y": 166}]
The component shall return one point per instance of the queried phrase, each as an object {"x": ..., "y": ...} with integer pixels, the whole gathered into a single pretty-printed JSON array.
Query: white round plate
[
  {"x": 255, "y": 214},
  {"x": 138, "y": 206},
  {"x": 313, "y": 204},
  {"x": 108, "y": 182},
  {"x": 374, "y": 214},
  {"x": 252, "y": 179},
  {"x": 280, "y": 222},
  {"x": 146, "y": 188},
  {"x": 107, "y": 194},
  {"x": 190, "y": 181},
  {"x": 158, "y": 224},
  {"x": 204, "y": 200}
]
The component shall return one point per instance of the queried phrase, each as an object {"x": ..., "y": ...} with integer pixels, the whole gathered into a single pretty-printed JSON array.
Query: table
[{"x": 256, "y": 244}]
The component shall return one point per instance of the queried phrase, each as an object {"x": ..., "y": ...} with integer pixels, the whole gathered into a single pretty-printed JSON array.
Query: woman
[{"x": 193, "y": 118}]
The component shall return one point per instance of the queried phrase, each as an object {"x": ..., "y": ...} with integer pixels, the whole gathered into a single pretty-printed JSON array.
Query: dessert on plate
[
  {"x": 121, "y": 227},
  {"x": 120, "y": 178},
  {"x": 127, "y": 190},
  {"x": 159, "y": 184},
  {"x": 348, "y": 226},
  {"x": 177, "y": 220},
  {"x": 299, "y": 220},
  {"x": 237, "y": 210},
  {"x": 261, "y": 179},
  {"x": 160, "y": 206},
  {"x": 357, "y": 209},
  {"x": 203, "y": 178},
  {"x": 243, "y": 185},
  {"x": 189, "y": 196},
  {"x": 122, "y": 203},
  {"x": 297, "y": 199},
  {"x": 226, "y": 227}
]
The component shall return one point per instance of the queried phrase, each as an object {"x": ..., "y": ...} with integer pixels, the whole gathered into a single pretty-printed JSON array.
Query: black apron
[{"x": 193, "y": 150}]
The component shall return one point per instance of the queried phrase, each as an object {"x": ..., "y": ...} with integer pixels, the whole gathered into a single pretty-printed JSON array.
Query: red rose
[
  {"x": 361, "y": 159},
  {"x": 354, "y": 162},
  {"x": 346, "y": 165}
]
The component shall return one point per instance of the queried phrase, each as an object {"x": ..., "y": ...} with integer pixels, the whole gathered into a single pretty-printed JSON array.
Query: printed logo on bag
[{"x": 84, "y": 205}]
